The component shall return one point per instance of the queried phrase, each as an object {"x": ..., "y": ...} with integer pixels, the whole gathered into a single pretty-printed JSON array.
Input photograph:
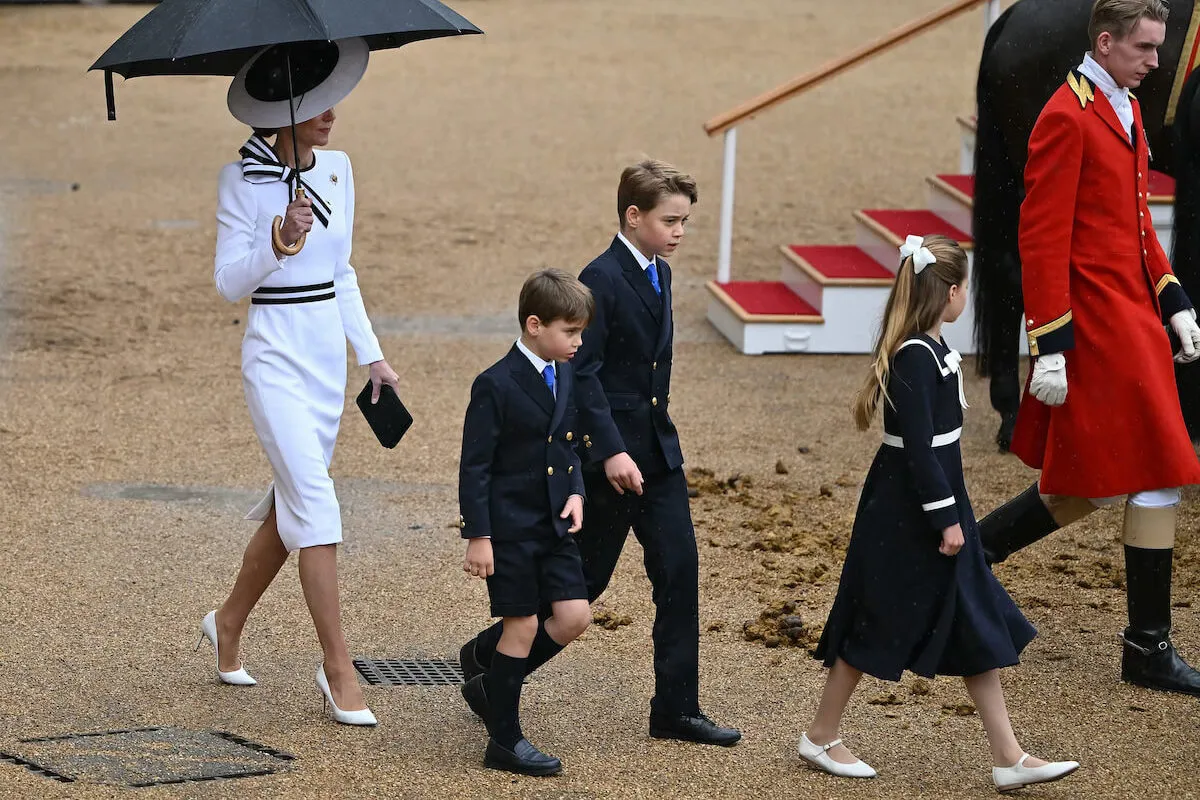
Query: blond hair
[
  {"x": 1119, "y": 17},
  {"x": 915, "y": 304},
  {"x": 551, "y": 294},
  {"x": 647, "y": 183}
]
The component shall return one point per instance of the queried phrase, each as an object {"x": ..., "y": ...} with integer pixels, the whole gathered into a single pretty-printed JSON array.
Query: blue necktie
[
  {"x": 652, "y": 273},
  {"x": 548, "y": 376}
]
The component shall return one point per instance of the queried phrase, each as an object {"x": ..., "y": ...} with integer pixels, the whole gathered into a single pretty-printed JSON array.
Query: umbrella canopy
[{"x": 217, "y": 37}]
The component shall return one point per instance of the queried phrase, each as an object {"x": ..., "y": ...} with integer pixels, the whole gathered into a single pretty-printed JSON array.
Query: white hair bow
[{"x": 915, "y": 246}]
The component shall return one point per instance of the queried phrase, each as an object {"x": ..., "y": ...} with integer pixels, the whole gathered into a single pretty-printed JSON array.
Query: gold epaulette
[{"x": 1082, "y": 88}]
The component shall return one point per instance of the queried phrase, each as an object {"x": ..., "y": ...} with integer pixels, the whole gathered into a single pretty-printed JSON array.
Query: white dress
[{"x": 303, "y": 309}]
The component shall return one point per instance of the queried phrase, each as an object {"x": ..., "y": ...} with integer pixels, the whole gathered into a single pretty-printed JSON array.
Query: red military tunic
[{"x": 1098, "y": 288}]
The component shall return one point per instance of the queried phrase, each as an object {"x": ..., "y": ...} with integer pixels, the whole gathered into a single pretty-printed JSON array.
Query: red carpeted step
[
  {"x": 895, "y": 224},
  {"x": 764, "y": 298},
  {"x": 963, "y": 184},
  {"x": 844, "y": 264},
  {"x": 1162, "y": 187}
]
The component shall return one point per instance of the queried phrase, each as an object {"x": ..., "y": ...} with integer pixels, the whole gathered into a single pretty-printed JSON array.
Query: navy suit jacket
[
  {"x": 623, "y": 368},
  {"x": 519, "y": 463}
]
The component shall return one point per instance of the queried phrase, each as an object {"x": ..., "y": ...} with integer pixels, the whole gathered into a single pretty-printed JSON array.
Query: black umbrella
[{"x": 218, "y": 37}]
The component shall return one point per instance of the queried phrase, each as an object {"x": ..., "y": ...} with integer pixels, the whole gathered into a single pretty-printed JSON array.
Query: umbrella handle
[{"x": 277, "y": 238}]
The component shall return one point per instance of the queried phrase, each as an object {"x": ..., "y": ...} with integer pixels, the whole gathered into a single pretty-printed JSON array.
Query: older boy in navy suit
[
  {"x": 520, "y": 489},
  {"x": 634, "y": 466}
]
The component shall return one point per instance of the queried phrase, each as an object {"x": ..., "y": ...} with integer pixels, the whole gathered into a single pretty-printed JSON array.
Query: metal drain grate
[
  {"x": 409, "y": 671},
  {"x": 139, "y": 757}
]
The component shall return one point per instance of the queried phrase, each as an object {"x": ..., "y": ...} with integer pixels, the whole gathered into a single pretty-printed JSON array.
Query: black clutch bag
[{"x": 388, "y": 417}]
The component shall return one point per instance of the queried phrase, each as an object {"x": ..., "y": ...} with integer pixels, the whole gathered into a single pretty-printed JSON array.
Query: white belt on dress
[
  {"x": 282, "y": 295},
  {"x": 939, "y": 439}
]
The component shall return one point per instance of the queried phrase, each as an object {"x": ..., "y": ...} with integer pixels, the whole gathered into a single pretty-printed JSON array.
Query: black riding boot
[
  {"x": 1149, "y": 659},
  {"x": 1018, "y": 523}
]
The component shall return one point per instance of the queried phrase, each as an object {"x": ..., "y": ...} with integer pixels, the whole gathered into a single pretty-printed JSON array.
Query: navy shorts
[{"x": 532, "y": 573}]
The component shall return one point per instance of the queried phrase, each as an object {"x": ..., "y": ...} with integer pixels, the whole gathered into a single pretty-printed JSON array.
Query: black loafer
[
  {"x": 469, "y": 663},
  {"x": 698, "y": 728},
  {"x": 523, "y": 759},
  {"x": 475, "y": 694}
]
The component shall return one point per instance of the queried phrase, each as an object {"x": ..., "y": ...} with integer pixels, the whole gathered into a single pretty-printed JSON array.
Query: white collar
[
  {"x": 538, "y": 362},
  {"x": 1099, "y": 76},
  {"x": 643, "y": 262}
]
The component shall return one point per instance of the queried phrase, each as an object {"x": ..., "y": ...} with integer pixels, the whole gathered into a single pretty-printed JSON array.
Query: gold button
[
  {"x": 570, "y": 469},
  {"x": 1139, "y": 174},
  {"x": 1143, "y": 233},
  {"x": 1141, "y": 213},
  {"x": 587, "y": 438},
  {"x": 549, "y": 439},
  {"x": 570, "y": 436},
  {"x": 587, "y": 444},
  {"x": 654, "y": 365},
  {"x": 1029, "y": 324},
  {"x": 653, "y": 401},
  {"x": 549, "y": 470}
]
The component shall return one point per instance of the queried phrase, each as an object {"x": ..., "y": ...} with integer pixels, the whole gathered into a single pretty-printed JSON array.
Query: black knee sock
[
  {"x": 503, "y": 686},
  {"x": 485, "y": 644},
  {"x": 544, "y": 648}
]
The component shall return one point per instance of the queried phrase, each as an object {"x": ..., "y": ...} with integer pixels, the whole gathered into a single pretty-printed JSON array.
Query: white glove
[
  {"x": 1185, "y": 327},
  {"x": 1049, "y": 382}
]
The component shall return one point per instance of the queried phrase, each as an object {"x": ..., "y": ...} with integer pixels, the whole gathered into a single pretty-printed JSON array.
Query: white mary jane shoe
[
  {"x": 360, "y": 717},
  {"x": 208, "y": 630},
  {"x": 817, "y": 756},
  {"x": 1008, "y": 779}
]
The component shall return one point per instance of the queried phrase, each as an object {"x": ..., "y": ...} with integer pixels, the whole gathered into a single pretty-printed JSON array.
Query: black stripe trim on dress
[
  {"x": 259, "y": 161},
  {"x": 312, "y": 287},
  {"x": 280, "y": 301}
]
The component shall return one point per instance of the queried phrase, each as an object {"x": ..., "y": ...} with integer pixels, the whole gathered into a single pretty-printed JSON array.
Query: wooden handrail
[{"x": 793, "y": 87}]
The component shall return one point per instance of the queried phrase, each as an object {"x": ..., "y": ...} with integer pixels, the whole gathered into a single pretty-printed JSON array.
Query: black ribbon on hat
[{"x": 261, "y": 165}]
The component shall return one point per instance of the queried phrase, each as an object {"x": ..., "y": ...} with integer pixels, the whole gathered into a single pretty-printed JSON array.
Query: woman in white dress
[{"x": 303, "y": 308}]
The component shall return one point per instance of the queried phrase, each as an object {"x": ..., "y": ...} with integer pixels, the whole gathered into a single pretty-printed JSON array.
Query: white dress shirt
[
  {"x": 539, "y": 364},
  {"x": 1117, "y": 96},
  {"x": 642, "y": 261}
]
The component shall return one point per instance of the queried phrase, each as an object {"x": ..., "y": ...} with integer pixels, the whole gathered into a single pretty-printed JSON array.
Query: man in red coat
[{"x": 1100, "y": 416}]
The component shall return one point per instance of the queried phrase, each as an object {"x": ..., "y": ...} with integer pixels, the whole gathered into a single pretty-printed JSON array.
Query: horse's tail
[
  {"x": 997, "y": 273},
  {"x": 1185, "y": 237}
]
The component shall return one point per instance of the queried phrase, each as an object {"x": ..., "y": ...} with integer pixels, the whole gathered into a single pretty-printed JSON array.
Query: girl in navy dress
[{"x": 915, "y": 592}]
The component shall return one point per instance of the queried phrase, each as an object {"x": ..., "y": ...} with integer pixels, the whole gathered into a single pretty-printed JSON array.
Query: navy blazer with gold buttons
[
  {"x": 519, "y": 463},
  {"x": 623, "y": 368}
]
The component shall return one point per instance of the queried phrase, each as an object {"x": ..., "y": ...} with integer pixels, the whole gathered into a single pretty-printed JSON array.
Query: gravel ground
[{"x": 128, "y": 453}]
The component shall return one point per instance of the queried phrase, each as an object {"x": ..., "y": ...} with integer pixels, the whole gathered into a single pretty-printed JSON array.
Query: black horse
[{"x": 1026, "y": 56}]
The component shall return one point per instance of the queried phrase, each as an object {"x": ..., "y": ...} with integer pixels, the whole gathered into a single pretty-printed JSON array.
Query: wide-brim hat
[{"x": 323, "y": 74}]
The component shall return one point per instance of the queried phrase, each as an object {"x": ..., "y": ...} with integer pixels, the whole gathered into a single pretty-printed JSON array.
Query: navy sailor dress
[{"x": 900, "y": 603}]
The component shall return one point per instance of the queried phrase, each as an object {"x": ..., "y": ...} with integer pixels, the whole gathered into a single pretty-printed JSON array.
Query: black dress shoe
[
  {"x": 523, "y": 759},
  {"x": 469, "y": 663},
  {"x": 699, "y": 729},
  {"x": 475, "y": 694},
  {"x": 1158, "y": 666}
]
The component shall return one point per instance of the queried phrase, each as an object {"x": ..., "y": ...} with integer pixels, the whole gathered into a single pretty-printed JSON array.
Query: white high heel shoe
[
  {"x": 361, "y": 717},
  {"x": 1008, "y": 779},
  {"x": 817, "y": 756},
  {"x": 208, "y": 630}
]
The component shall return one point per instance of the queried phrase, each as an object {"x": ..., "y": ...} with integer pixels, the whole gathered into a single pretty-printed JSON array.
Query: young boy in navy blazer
[
  {"x": 521, "y": 491},
  {"x": 633, "y": 463}
]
